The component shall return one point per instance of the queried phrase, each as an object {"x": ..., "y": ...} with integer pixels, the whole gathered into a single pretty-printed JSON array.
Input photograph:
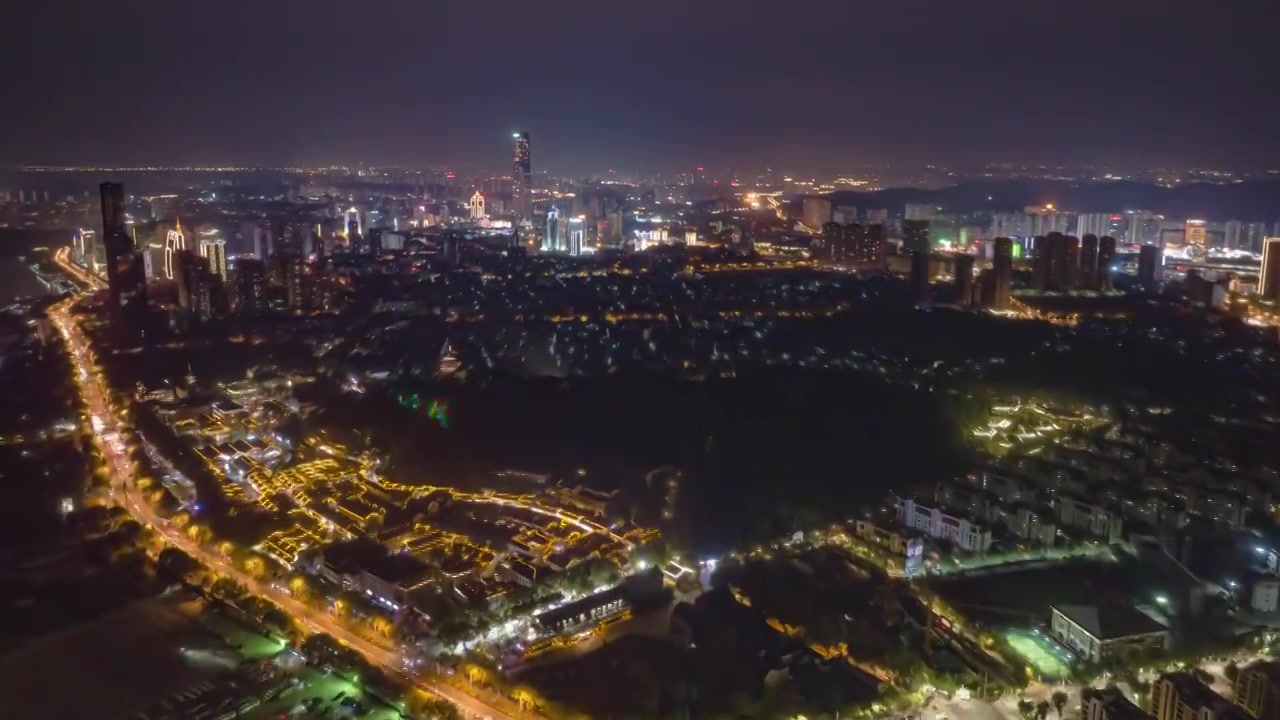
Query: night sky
[{"x": 656, "y": 85}]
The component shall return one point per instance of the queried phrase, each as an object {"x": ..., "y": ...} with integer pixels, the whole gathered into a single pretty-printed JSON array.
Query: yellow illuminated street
[{"x": 106, "y": 423}]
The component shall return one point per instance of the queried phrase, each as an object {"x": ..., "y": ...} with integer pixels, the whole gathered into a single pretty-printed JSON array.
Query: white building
[
  {"x": 1095, "y": 520},
  {"x": 1265, "y": 595},
  {"x": 477, "y": 206},
  {"x": 963, "y": 533},
  {"x": 175, "y": 241}
]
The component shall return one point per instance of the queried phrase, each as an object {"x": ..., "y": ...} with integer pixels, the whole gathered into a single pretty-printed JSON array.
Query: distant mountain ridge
[{"x": 1248, "y": 201}]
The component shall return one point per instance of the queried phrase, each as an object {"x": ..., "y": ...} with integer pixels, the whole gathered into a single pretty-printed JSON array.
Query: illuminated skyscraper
[
  {"x": 522, "y": 178},
  {"x": 1269, "y": 274},
  {"x": 577, "y": 234},
  {"x": 551, "y": 240},
  {"x": 126, "y": 277},
  {"x": 175, "y": 241},
  {"x": 215, "y": 250},
  {"x": 477, "y": 206},
  {"x": 816, "y": 212}
]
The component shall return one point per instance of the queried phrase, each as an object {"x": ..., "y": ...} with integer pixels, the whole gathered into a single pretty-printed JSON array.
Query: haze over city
[
  {"x": 811, "y": 86},
  {"x": 711, "y": 360}
]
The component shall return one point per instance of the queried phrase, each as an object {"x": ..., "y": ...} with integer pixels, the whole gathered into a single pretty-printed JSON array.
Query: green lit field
[{"x": 1049, "y": 660}]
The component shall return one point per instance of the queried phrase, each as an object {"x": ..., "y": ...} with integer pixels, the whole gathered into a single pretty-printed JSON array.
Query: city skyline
[{"x": 818, "y": 88}]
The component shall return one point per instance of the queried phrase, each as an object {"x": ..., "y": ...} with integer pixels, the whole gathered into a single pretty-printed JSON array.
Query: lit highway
[{"x": 106, "y": 424}]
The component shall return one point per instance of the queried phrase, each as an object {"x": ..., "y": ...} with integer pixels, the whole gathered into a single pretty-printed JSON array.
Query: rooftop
[{"x": 1111, "y": 621}]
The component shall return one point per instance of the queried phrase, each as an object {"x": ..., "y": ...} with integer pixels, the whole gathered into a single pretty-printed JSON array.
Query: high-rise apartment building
[
  {"x": 815, "y": 212},
  {"x": 1106, "y": 258},
  {"x": 522, "y": 178},
  {"x": 963, "y": 271},
  {"x": 1001, "y": 273},
  {"x": 1089, "y": 276},
  {"x": 915, "y": 235},
  {"x": 251, "y": 286},
  {"x": 477, "y": 206},
  {"x": 1150, "y": 267},
  {"x": 1269, "y": 273},
  {"x": 1180, "y": 696},
  {"x": 215, "y": 251},
  {"x": 1109, "y": 704},
  {"x": 194, "y": 287},
  {"x": 1257, "y": 689}
]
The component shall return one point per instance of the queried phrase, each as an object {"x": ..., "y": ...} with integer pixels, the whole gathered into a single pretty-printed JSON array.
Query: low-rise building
[
  {"x": 905, "y": 544},
  {"x": 1101, "y": 631},
  {"x": 964, "y": 533}
]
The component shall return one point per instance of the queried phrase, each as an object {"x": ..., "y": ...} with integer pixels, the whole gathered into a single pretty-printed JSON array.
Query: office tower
[
  {"x": 920, "y": 277},
  {"x": 1257, "y": 689},
  {"x": 297, "y": 282},
  {"x": 964, "y": 279},
  {"x": 915, "y": 236},
  {"x": 1269, "y": 273},
  {"x": 551, "y": 238},
  {"x": 1179, "y": 696},
  {"x": 126, "y": 275},
  {"x": 1001, "y": 273},
  {"x": 1106, "y": 258},
  {"x": 878, "y": 217},
  {"x": 1089, "y": 277},
  {"x": 815, "y": 212},
  {"x": 194, "y": 283},
  {"x": 215, "y": 250},
  {"x": 1150, "y": 265},
  {"x": 175, "y": 241},
  {"x": 1195, "y": 233},
  {"x": 577, "y": 234},
  {"x": 477, "y": 206},
  {"x": 1109, "y": 704},
  {"x": 919, "y": 211},
  {"x": 522, "y": 176},
  {"x": 251, "y": 286}
]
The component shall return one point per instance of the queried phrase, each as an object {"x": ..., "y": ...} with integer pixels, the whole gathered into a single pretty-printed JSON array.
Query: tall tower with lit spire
[{"x": 522, "y": 178}]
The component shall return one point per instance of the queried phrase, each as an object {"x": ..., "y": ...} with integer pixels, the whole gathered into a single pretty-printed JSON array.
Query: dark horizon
[{"x": 652, "y": 87}]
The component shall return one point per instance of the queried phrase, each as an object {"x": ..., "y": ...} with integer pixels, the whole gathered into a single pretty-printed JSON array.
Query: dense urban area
[{"x": 369, "y": 442}]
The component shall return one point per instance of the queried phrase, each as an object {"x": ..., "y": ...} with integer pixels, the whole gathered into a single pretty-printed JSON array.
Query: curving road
[{"x": 106, "y": 435}]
